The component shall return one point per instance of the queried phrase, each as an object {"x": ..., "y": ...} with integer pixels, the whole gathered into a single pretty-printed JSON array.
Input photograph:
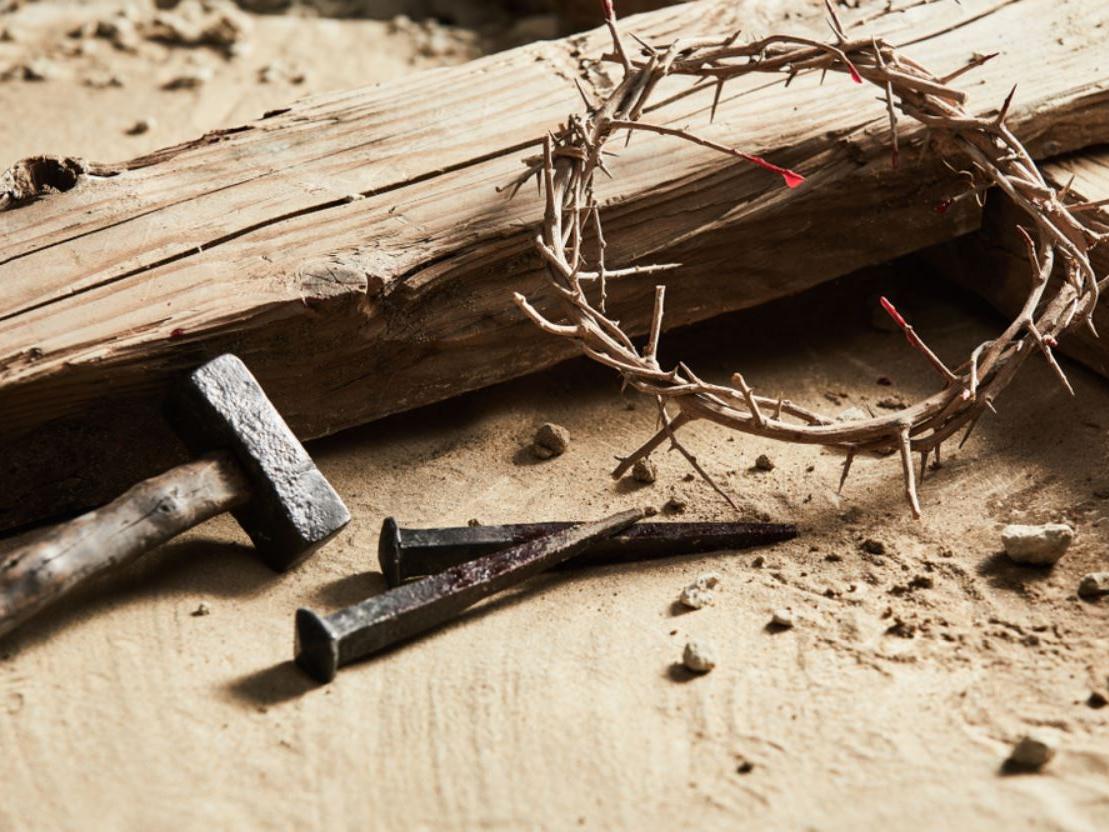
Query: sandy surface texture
[
  {"x": 165, "y": 696},
  {"x": 892, "y": 702},
  {"x": 82, "y": 76}
]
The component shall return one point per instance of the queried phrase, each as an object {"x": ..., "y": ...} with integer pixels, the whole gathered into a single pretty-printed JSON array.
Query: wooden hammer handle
[{"x": 39, "y": 572}]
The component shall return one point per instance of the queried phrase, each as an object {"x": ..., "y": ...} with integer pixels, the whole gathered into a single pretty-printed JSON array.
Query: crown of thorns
[{"x": 993, "y": 157}]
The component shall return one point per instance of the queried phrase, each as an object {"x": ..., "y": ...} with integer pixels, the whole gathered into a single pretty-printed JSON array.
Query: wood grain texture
[
  {"x": 61, "y": 559},
  {"x": 346, "y": 310}
]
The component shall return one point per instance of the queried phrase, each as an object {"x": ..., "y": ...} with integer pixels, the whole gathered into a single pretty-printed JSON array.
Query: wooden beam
[{"x": 353, "y": 249}]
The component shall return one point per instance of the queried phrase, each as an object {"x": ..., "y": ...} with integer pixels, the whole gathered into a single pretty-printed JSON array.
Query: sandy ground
[
  {"x": 891, "y": 704},
  {"x": 90, "y": 91}
]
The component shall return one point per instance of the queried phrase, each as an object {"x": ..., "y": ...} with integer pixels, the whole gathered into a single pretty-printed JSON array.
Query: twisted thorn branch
[{"x": 988, "y": 153}]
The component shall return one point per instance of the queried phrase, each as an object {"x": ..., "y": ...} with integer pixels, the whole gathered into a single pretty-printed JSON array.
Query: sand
[{"x": 891, "y": 703}]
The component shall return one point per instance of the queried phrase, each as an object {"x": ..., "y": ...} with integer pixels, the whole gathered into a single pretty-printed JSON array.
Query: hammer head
[{"x": 292, "y": 509}]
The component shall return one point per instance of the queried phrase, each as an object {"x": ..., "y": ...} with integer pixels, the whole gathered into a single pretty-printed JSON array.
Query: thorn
[
  {"x": 581, "y": 91},
  {"x": 907, "y": 464},
  {"x": 1005, "y": 107},
  {"x": 650, "y": 50},
  {"x": 970, "y": 428},
  {"x": 915, "y": 341},
  {"x": 716, "y": 99},
  {"x": 837, "y": 27},
  {"x": 1066, "y": 188},
  {"x": 973, "y": 63},
  {"x": 1045, "y": 348},
  {"x": 846, "y": 470}
]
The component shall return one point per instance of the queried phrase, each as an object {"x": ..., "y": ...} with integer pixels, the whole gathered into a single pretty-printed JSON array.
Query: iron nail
[
  {"x": 325, "y": 643},
  {"x": 413, "y": 553}
]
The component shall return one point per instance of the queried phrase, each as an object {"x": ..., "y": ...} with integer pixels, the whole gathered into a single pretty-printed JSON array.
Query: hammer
[{"x": 252, "y": 465}]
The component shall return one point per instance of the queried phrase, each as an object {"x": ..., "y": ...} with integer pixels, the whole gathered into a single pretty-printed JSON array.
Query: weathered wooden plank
[{"x": 349, "y": 310}]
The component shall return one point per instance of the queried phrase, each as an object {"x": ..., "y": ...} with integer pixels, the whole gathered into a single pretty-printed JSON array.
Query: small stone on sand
[
  {"x": 279, "y": 71},
  {"x": 873, "y": 547},
  {"x": 699, "y": 593},
  {"x": 1094, "y": 585},
  {"x": 1032, "y": 753},
  {"x": 550, "y": 440},
  {"x": 698, "y": 657},
  {"x": 1097, "y": 700},
  {"x": 644, "y": 470},
  {"x": 201, "y": 609},
  {"x": 764, "y": 463},
  {"x": 1038, "y": 545},
  {"x": 190, "y": 79},
  {"x": 674, "y": 505},
  {"x": 143, "y": 125},
  {"x": 782, "y": 618}
]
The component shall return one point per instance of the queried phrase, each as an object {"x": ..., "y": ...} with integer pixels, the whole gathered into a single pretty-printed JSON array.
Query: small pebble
[
  {"x": 644, "y": 470},
  {"x": 873, "y": 547},
  {"x": 1032, "y": 753},
  {"x": 190, "y": 79},
  {"x": 698, "y": 657},
  {"x": 1097, "y": 699},
  {"x": 782, "y": 618},
  {"x": 201, "y": 609},
  {"x": 550, "y": 440},
  {"x": 143, "y": 125},
  {"x": 278, "y": 71},
  {"x": 473, "y": 521},
  {"x": 674, "y": 505},
  {"x": 1094, "y": 585},
  {"x": 100, "y": 81},
  {"x": 1038, "y": 545},
  {"x": 764, "y": 463},
  {"x": 700, "y": 593},
  {"x": 37, "y": 69}
]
